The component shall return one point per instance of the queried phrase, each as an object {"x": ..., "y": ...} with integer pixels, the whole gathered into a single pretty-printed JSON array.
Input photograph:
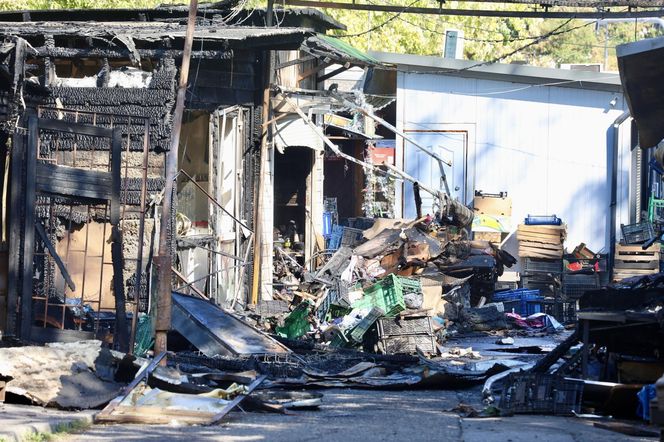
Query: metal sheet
[{"x": 216, "y": 332}]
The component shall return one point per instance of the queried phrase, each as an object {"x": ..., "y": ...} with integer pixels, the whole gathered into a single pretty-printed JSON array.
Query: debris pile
[{"x": 403, "y": 287}]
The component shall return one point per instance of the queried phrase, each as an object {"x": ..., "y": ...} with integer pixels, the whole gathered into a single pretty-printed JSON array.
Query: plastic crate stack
[
  {"x": 630, "y": 258},
  {"x": 543, "y": 275}
]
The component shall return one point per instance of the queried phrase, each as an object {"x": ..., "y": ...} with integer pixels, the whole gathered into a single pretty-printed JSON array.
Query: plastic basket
[
  {"x": 521, "y": 301},
  {"x": 344, "y": 236},
  {"x": 637, "y": 233},
  {"x": 405, "y": 326},
  {"x": 531, "y": 265},
  {"x": 545, "y": 284},
  {"x": 563, "y": 311},
  {"x": 542, "y": 220},
  {"x": 541, "y": 393},
  {"x": 386, "y": 294}
]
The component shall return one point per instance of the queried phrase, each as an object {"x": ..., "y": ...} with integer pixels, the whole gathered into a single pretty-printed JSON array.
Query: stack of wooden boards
[
  {"x": 631, "y": 260},
  {"x": 545, "y": 241}
]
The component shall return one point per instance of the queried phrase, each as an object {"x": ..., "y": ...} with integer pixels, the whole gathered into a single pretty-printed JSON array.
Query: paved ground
[
  {"x": 354, "y": 415},
  {"x": 17, "y": 422}
]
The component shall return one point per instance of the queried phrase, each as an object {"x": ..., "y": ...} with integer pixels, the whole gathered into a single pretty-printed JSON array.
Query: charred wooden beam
[{"x": 59, "y": 52}]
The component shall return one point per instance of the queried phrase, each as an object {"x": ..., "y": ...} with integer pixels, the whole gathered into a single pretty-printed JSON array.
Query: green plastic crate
[
  {"x": 297, "y": 323},
  {"x": 387, "y": 294}
]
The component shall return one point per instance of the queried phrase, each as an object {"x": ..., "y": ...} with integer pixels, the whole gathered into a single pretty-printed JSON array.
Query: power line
[
  {"x": 378, "y": 26},
  {"x": 543, "y": 13}
]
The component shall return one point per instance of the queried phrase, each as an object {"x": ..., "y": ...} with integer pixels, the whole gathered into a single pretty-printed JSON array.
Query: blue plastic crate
[
  {"x": 522, "y": 301},
  {"x": 542, "y": 220}
]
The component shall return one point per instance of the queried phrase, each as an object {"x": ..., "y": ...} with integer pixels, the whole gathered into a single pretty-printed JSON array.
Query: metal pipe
[
  {"x": 165, "y": 260},
  {"x": 387, "y": 125},
  {"x": 214, "y": 201},
  {"x": 614, "y": 187}
]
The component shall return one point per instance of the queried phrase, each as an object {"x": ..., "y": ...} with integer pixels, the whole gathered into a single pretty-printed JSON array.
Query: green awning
[{"x": 324, "y": 46}]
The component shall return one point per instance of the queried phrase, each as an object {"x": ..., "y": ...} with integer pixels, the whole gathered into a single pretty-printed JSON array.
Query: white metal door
[
  {"x": 452, "y": 144},
  {"x": 226, "y": 141}
]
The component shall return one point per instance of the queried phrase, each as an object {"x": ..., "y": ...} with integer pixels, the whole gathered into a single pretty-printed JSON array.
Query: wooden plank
[
  {"x": 75, "y": 128},
  {"x": 70, "y": 181},
  {"x": 532, "y": 245},
  {"x": 538, "y": 253},
  {"x": 539, "y": 238},
  {"x": 652, "y": 265},
  {"x": 54, "y": 254},
  {"x": 551, "y": 230},
  {"x": 634, "y": 272},
  {"x": 637, "y": 248}
]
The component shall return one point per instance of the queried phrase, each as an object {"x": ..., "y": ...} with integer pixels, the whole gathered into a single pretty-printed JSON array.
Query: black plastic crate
[
  {"x": 563, "y": 311},
  {"x": 637, "y": 233},
  {"x": 532, "y": 265},
  {"x": 408, "y": 344},
  {"x": 575, "y": 285},
  {"x": 546, "y": 284},
  {"x": 541, "y": 393},
  {"x": 405, "y": 326}
]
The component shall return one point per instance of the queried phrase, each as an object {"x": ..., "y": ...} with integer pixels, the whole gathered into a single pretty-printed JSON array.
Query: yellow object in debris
[{"x": 229, "y": 393}]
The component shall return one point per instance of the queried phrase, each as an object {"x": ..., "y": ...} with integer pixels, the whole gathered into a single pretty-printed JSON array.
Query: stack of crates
[{"x": 543, "y": 275}]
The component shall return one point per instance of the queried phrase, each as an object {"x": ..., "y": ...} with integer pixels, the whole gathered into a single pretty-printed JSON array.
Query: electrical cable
[{"x": 380, "y": 25}]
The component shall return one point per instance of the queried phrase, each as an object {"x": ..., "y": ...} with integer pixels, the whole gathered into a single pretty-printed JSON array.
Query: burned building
[{"x": 87, "y": 101}]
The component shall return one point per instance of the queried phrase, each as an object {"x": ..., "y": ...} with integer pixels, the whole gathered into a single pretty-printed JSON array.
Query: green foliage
[{"x": 16, "y": 5}]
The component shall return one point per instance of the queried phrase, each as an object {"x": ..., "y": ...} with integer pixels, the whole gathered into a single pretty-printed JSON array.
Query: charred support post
[
  {"x": 121, "y": 329},
  {"x": 29, "y": 227},
  {"x": 164, "y": 261},
  {"x": 258, "y": 230}
]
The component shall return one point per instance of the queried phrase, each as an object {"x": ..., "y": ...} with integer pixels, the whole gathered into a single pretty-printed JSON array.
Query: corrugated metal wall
[{"x": 548, "y": 147}]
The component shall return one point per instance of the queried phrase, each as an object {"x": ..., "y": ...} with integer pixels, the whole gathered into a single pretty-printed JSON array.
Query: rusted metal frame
[
  {"x": 214, "y": 201},
  {"x": 29, "y": 226},
  {"x": 140, "y": 376},
  {"x": 164, "y": 262},
  {"x": 122, "y": 338},
  {"x": 54, "y": 254},
  {"x": 141, "y": 233},
  {"x": 126, "y": 166},
  {"x": 239, "y": 398}
]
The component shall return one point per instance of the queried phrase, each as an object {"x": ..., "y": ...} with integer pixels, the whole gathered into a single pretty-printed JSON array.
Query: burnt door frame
[{"x": 100, "y": 192}]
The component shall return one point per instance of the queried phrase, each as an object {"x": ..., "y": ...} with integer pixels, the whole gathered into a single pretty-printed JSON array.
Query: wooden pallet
[{"x": 632, "y": 260}]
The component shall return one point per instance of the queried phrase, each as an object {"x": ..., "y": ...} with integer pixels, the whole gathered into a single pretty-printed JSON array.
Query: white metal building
[{"x": 546, "y": 136}]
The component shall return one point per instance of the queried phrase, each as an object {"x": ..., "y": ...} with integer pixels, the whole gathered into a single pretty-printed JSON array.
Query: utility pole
[{"x": 164, "y": 259}]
